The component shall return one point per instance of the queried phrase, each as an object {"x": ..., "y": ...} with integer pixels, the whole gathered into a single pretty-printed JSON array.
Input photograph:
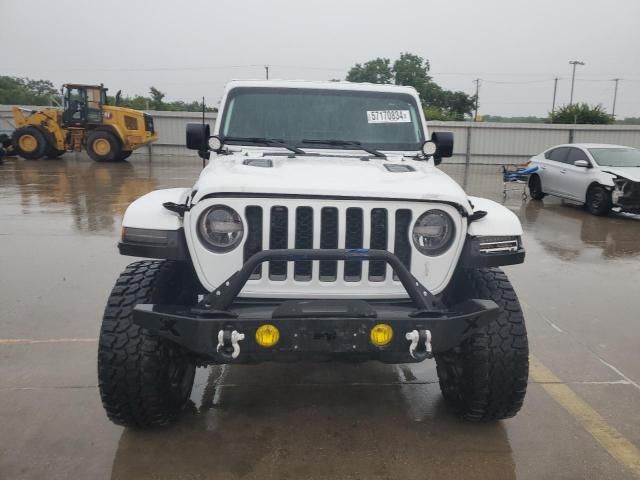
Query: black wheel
[
  {"x": 124, "y": 154},
  {"x": 535, "y": 188},
  {"x": 598, "y": 200},
  {"x": 53, "y": 153},
  {"x": 485, "y": 378},
  {"x": 144, "y": 380},
  {"x": 29, "y": 143},
  {"x": 103, "y": 146}
]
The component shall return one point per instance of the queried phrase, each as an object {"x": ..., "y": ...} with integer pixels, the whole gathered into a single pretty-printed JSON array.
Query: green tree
[
  {"x": 581, "y": 113},
  {"x": 413, "y": 70},
  {"x": 156, "y": 102},
  {"x": 25, "y": 91},
  {"x": 156, "y": 99},
  {"x": 373, "y": 71}
]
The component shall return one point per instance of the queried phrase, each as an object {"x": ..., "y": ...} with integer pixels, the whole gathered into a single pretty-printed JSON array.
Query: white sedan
[{"x": 603, "y": 177}]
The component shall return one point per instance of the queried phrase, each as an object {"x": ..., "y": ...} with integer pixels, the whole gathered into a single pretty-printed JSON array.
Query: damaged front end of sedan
[{"x": 625, "y": 195}]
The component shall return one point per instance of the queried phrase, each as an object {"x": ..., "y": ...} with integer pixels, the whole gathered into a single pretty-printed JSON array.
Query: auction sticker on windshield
[{"x": 388, "y": 116}]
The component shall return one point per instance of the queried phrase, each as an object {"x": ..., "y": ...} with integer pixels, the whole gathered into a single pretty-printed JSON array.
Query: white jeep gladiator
[{"x": 321, "y": 228}]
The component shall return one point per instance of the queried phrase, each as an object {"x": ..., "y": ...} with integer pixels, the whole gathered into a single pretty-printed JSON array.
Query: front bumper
[
  {"x": 626, "y": 196},
  {"x": 315, "y": 329}
]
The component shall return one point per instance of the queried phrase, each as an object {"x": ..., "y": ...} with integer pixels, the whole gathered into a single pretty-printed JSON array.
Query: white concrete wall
[{"x": 475, "y": 143}]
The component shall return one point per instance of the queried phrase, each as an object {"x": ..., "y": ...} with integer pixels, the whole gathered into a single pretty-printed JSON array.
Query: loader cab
[{"x": 83, "y": 105}]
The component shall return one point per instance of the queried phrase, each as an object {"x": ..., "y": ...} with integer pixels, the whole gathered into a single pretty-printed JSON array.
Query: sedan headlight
[
  {"x": 433, "y": 233},
  {"x": 220, "y": 228}
]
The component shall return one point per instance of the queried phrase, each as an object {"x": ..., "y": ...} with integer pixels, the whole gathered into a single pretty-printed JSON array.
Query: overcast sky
[{"x": 192, "y": 48}]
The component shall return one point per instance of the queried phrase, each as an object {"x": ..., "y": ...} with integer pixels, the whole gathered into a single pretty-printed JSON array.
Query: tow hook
[
  {"x": 228, "y": 345},
  {"x": 420, "y": 347}
]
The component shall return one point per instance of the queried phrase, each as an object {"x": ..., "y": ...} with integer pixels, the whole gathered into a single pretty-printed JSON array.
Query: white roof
[
  {"x": 591, "y": 145},
  {"x": 325, "y": 85}
]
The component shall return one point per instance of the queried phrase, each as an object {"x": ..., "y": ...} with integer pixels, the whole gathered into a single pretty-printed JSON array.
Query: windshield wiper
[
  {"x": 266, "y": 141},
  {"x": 346, "y": 143}
]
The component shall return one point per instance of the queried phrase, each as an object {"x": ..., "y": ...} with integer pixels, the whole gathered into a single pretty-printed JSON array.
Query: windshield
[
  {"x": 616, "y": 157},
  {"x": 380, "y": 120}
]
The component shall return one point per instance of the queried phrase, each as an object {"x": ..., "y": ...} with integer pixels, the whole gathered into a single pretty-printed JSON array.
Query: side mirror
[
  {"x": 582, "y": 163},
  {"x": 197, "y": 138},
  {"x": 444, "y": 146}
]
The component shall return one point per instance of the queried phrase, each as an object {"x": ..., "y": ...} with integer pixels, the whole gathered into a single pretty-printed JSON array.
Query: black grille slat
[
  {"x": 304, "y": 239},
  {"x": 253, "y": 244},
  {"x": 354, "y": 236},
  {"x": 378, "y": 268},
  {"x": 328, "y": 240},
  {"x": 278, "y": 233},
  {"x": 402, "y": 244}
]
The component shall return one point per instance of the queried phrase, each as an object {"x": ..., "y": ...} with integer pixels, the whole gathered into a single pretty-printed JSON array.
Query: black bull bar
[{"x": 333, "y": 328}]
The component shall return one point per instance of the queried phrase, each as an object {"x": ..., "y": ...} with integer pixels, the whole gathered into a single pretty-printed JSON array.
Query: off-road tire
[
  {"x": 35, "y": 135},
  {"x": 598, "y": 200},
  {"x": 53, "y": 153},
  {"x": 144, "y": 380},
  {"x": 124, "y": 154},
  {"x": 485, "y": 378},
  {"x": 96, "y": 138},
  {"x": 535, "y": 188}
]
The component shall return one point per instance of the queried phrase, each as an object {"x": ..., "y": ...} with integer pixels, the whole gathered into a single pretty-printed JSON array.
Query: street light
[{"x": 573, "y": 78}]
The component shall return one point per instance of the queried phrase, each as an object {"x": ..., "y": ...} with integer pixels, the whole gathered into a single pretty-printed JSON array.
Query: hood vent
[
  {"x": 398, "y": 168},
  {"x": 258, "y": 162}
]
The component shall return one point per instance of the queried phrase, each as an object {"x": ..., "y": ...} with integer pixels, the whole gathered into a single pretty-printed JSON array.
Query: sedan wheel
[
  {"x": 535, "y": 188},
  {"x": 598, "y": 200}
]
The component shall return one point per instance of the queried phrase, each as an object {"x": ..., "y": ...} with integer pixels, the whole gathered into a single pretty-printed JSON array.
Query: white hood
[
  {"x": 346, "y": 176},
  {"x": 630, "y": 173}
]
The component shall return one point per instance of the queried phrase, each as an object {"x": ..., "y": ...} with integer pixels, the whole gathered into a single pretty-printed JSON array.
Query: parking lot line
[{"x": 618, "y": 447}]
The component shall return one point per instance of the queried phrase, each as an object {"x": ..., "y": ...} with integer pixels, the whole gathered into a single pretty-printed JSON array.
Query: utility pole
[
  {"x": 553, "y": 105},
  {"x": 615, "y": 96},
  {"x": 266, "y": 70},
  {"x": 475, "y": 115},
  {"x": 573, "y": 78}
]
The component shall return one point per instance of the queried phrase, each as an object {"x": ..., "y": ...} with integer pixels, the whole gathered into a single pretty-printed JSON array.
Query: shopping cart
[{"x": 516, "y": 176}]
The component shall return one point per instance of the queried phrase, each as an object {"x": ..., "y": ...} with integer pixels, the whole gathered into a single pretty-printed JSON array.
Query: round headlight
[
  {"x": 433, "y": 233},
  {"x": 429, "y": 148},
  {"x": 215, "y": 143},
  {"x": 220, "y": 228}
]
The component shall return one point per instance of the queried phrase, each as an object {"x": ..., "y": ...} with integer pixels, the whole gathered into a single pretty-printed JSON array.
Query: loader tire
[
  {"x": 103, "y": 146},
  {"x": 145, "y": 380},
  {"x": 29, "y": 143},
  {"x": 53, "y": 153},
  {"x": 124, "y": 155},
  {"x": 485, "y": 378}
]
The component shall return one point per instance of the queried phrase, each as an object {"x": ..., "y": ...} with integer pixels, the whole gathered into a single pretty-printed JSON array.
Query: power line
[{"x": 519, "y": 83}]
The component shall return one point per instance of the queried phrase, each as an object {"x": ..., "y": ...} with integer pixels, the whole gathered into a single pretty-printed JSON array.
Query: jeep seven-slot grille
[
  {"x": 253, "y": 244},
  {"x": 304, "y": 239},
  {"x": 328, "y": 239},
  {"x": 379, "y": 231},
  {"x": 353, "y": 239},
  {"x": 352, "y": 223},
  {"x": 278, "y": 229}
]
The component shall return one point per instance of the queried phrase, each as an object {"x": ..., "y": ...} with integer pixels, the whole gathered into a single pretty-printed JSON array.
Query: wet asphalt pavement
[{"x": 59, "y": 224}]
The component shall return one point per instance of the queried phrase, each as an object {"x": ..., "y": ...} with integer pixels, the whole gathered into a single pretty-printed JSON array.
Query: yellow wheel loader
[{"x": 106, "y": 132}]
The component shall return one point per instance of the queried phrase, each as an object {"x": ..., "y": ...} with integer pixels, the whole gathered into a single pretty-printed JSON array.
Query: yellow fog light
[
  {"x": 381, "y": 334},
  {"x": 267, "y": 335}
]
